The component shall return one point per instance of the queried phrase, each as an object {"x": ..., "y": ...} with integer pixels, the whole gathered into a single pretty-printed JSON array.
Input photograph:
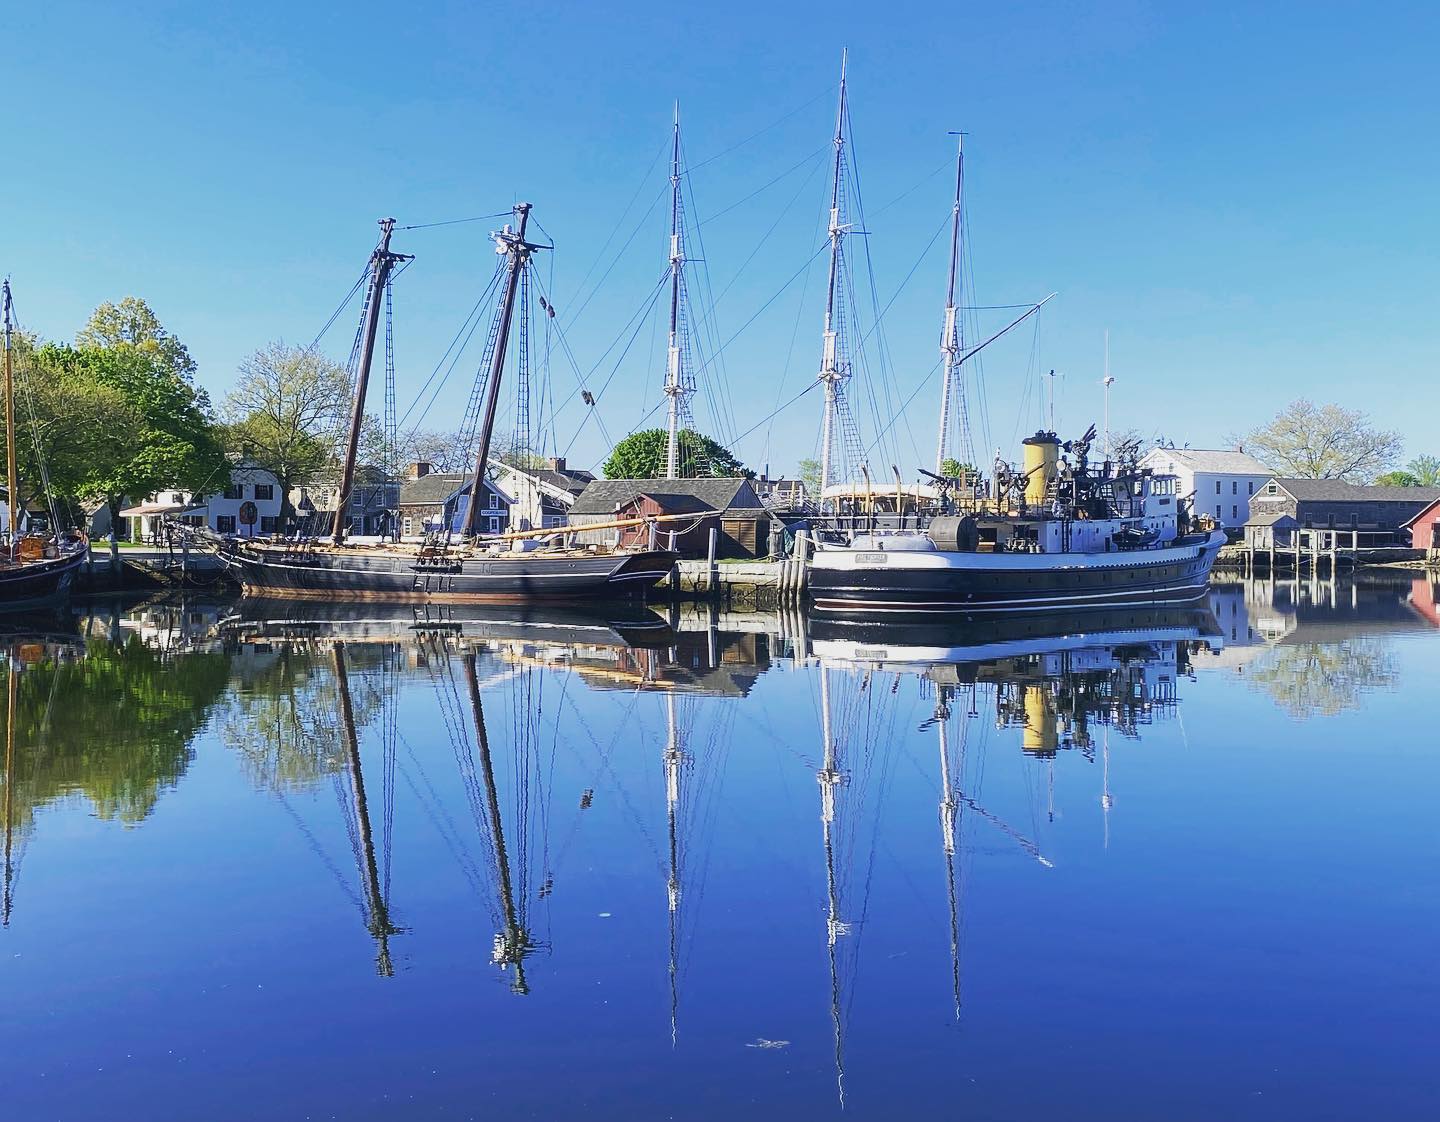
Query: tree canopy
[
  {"x": 641, "y": 455},
  {"x": 285, "y": 411},
  {"x": 1426, "y": 470},
  {"x": 1397, "y": 479},
  {"x": 1324, "y": 442},
  {"x": 131, "y": 323}
]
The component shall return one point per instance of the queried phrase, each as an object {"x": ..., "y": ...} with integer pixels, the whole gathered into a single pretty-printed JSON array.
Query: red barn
[{"x": 1425, "y": 529}]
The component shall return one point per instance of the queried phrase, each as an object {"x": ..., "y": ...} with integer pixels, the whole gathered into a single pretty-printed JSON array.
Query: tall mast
[
  {"x": 949, "y": 809},
  {"x": 382, "y": 264},
  {"x": 832, "y": 371},
  {"x": 513, "y": 245},
  {"x": 674, "y": 760},
  {"x": 830, "y": 777},
  {"x": 12, "y": 474},
  {"x": 377, "y": 910},
  {"x": 950, "y": 346},
  {"x": 514, "y": 943},
  {"x": 675, "y": 390},
  {"x": 12, "y": 698}
]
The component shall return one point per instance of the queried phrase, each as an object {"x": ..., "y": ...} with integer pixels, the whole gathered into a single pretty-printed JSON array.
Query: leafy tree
[
  {"x": 1324, "y": 442},
  {"x": 1397, "y": 479},
  {"x": 954, "y": 469},
  {"x": 1426, "y": 470},
  {"x": 171, "y": 441},
  {"x": 285, "y": 411},
  {"x": 131, "y": 323},
  {"x": 114, "y": 725},
  {"x": 641, "y": 455},
  {"x": 70, "y": 423},
  {"x": 810, "y": 476}
]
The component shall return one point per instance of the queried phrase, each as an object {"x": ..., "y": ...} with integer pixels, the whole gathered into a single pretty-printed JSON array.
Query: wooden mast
[
  {"x": 377, "y": 910},
  {"x": 382, "y": 263},
  {"x": 12, "y": 474},
  {"x": 830, "y": 777},
  {"x": 12, "y": 698},
  {"x": 514, "y": 943},
  {"x": 518, "y": 251}
]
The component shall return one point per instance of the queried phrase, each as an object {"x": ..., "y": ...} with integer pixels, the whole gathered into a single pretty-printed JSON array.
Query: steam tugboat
[{"x": 1058, "y": 534}]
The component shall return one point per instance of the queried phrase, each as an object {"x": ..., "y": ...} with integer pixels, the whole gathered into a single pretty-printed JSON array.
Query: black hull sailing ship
[
  {"x": 1058, "y": 533},
  {"x": 453, "y": 576},
  {"x": 34, "y": 568},
  {"x": 451, "y": 566}
]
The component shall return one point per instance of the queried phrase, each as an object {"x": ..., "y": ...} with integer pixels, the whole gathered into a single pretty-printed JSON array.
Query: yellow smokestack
[
  {"x": 1039, "y": 736},
  {"x": 1042, "y": 461}
]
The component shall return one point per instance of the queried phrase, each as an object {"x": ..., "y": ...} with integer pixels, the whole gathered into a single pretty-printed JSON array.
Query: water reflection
[{"x": 540, "y": 756}]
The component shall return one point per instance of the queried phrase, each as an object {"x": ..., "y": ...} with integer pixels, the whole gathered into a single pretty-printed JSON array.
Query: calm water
[{"x": 1167, "y": 866}]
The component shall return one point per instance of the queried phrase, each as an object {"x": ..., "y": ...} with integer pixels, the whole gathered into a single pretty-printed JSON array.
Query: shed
[
  {"x": 1376, "y": 515},
  {"x": 729, "y": 505}
]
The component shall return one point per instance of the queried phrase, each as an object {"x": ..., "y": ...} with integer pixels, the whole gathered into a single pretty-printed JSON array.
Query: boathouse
[
  {"x": 729, "y": 506},
  {"x": 1376, "y": 516}
]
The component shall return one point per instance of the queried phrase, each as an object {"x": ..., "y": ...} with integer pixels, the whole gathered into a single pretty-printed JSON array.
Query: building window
[
  {"x": 264, "y": 490},
  {"x": 235, "y": 491},
  {"x": 494, "y": 525},
  {"x": 1234, "y": 512},
  {"x": 1272, "y": 488},
  {"x": 225, "y": 523},
  {"x": 267, "y": 524},
  {"x": 1235, "y": 486},
  {"x": 1217, "y": 486},
  {"x": 406, "y": 526},
  {"x": 494, "y": 502},
  {"x": 1217, "y": 511},
  {"x": 1251, "y": 485},
  {"x": 1354, "y": 522}
]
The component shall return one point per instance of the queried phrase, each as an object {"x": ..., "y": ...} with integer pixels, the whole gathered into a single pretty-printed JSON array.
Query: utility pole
[
  {"x": 832, "y": 367},
  {"x": 382, "y": 264},
  {"x": 675, "y": 389},
  {"x": 514, "y": 245},
  {"x": 950, "y": 344}
]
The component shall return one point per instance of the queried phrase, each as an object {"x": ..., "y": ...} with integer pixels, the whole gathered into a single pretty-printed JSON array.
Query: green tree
[
  {"x": 1426, "y": 470},
  {"x": 810, "y": 476},
  {"x": 131, "y": 323},
  {"x": 71, "y": 425},
  {"x": 641, "y": 455},
  {"x": 285, "y": 412},
  {"x": 1324, "y": 442},
  {"x": 1397, "y": 479},
  {"x": 171, "y": 442},
  {"x": 952, "y": 468},
  {"x": 114, "y": 725}
]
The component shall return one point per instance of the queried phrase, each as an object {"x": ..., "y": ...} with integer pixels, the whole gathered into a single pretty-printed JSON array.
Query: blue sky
[{"x": 1243, "y": 195}]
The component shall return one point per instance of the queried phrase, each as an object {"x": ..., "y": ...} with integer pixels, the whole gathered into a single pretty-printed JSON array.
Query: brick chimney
[
  {"x": 418, "y": 468},
  {"x": 557, "y": 463}
]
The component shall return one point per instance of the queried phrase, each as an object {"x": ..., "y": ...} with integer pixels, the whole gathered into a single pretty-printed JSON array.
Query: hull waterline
[
  {"x": 39, "y": 582},
  {"x": 874, "y": 582},
  {"x": 362, "y": 575}
]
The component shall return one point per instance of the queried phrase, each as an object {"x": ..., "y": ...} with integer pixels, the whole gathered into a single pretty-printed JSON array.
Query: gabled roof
[
  {"x": 1421, "y": 513},
  {"x": 440, "y": 486},
  {"x": 1215, "y": 461},
  {"x": 1333, "y": 490},
  {"x": 602, "y": 496},
  {"x": 433, "y": 488},
  {"x": 1270, "y": 518},
  {"x": 571, "y": 481}
]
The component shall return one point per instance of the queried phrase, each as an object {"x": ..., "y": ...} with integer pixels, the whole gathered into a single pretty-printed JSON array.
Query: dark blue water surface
[{"x": 1156, "y": 866}]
